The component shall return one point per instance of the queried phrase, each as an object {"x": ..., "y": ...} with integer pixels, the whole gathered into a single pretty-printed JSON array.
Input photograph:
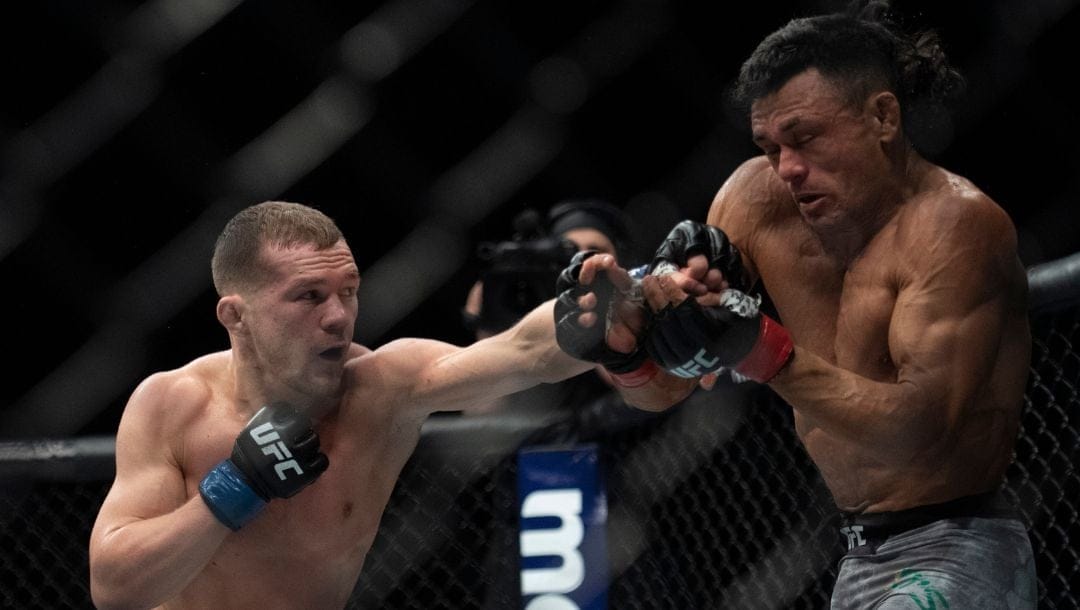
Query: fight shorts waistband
[{"x": 871, "y": 529}]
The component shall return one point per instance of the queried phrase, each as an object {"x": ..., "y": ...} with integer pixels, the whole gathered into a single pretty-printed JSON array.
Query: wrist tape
[
  {"x": 770, "y": 353},
  {"x": 229, "y": 496}
]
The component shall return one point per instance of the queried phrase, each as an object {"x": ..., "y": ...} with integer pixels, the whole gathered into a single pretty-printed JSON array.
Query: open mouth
[
  {"x": 808, "y": 199},
  {"x": 334, "y": 353}
]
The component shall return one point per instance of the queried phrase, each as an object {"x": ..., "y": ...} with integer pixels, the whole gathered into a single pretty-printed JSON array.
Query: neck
[
  {"x": 254, "y": 387},
  {"x": 845, "y": 242}
]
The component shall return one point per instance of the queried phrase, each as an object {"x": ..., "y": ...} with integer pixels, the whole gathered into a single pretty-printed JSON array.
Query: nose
[
  {"x": 337, "y": 315},
  {"x": 791, "y": 168}
]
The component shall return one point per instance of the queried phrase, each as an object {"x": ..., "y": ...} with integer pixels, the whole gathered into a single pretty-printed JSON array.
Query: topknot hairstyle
[{"x": 861, "y": 50}]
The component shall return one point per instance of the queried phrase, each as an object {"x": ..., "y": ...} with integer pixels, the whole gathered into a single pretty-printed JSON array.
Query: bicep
[
  {"x": 148, "y": 482},
  {"x": 947, "y": 325}
]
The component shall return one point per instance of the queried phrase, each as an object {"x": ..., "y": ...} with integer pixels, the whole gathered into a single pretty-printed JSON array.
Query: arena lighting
[
  {"x": 297, "y": 143},
  {"x": 81, "y": 124}
]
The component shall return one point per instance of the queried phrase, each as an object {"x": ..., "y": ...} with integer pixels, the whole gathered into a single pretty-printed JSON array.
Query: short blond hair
[{"x": 237, "y": 265}]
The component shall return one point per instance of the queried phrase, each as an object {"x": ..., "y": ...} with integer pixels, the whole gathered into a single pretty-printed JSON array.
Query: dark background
[{"x": 130, "y": 132}]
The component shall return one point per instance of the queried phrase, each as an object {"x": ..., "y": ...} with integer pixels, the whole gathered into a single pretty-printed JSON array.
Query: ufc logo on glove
[
  {"x": 270, "y": 442},
  {"x": 696, "y": 366}
]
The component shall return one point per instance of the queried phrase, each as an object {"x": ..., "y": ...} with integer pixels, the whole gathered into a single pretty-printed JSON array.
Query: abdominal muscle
[{"x": 973, "y": 461}]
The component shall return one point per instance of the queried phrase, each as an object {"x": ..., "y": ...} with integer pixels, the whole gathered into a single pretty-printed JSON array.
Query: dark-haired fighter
[{"x": 903, "y": 341}]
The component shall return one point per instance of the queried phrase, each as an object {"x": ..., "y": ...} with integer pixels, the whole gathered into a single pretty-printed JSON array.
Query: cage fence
[{"x": 711, "y": 504}]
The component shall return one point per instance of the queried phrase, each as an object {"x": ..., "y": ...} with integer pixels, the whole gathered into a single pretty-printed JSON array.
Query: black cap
[{"x": 588, "y": 213}]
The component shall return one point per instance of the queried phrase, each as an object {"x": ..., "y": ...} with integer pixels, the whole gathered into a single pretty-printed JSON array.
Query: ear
[
  {"x": 885, "y": 109},
  {"x": 230, "y": 311}
]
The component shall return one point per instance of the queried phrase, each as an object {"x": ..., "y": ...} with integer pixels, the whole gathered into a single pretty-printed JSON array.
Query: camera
[{"x": 519, "y": 274}]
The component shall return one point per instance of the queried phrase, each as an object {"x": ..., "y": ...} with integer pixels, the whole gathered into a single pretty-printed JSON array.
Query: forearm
[
  {"x": 534, "y": 347},
  {"x": 471, "y": 378},
  {"x": 146, "y": 562},
  {"x": 893, "y": 419}
]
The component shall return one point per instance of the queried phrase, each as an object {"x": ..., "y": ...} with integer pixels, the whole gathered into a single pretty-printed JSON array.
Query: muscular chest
[
  {"x": 338, "y": 514},
  {"x": 842, "y": 314}
]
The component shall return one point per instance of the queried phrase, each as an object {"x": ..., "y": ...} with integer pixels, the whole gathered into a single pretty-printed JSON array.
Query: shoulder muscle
[{"x": 751, "y": 200}]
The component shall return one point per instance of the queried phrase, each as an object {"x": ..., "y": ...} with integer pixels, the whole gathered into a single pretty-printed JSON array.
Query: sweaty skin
[
  {"x": 902, "y": 290},
  {"x": 156, "y": 544}
]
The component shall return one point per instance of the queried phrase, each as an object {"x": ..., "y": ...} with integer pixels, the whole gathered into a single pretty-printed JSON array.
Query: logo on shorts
[
  {"x": 854, "y": 536},
  {"x": 270, "y": 441}
]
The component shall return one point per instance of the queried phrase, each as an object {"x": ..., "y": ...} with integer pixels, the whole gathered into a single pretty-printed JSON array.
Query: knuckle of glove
[
  {"x": 571, "y": 336},
  {"x": 687, "y": 239},
  {"x": 568, "y": 277},
  {"x": 673, "y": 249},
  {"x": 583, "y": 343},
  {"x": 723, "y": 255}
]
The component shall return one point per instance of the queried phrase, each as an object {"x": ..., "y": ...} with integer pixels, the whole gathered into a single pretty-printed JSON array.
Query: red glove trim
[
  {"x": 770, "y": 353},
  {"x": 638, "y": 377}
]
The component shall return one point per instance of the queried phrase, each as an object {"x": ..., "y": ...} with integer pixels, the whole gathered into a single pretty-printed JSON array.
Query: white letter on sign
[{"x": 562, "y": 542}]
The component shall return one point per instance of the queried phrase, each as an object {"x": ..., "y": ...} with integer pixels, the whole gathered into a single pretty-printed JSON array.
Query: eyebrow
[{"x": 786, "y": 125}]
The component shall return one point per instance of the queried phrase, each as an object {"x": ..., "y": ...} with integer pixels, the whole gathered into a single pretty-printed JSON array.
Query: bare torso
[
  {"x": 306, "y": 551},
  {"x": 844, "y": 313}
]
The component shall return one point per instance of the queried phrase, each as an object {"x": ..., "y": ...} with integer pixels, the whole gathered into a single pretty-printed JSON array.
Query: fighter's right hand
[
  {"x": 690, "y": 238},
  {"x": 583, "y": 331},
  {"x": 275, "y": 456}
]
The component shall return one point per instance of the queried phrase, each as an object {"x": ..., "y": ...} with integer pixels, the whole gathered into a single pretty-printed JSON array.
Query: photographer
[{"x": 520, "y": 274}]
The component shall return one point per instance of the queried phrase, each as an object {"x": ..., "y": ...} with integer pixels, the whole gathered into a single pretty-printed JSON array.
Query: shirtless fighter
[
  {"x": 256, "y": 477},
  {"x": 902, "y": 342}
]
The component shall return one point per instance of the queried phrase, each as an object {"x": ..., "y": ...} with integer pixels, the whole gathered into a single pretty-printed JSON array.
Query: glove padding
[
  {"x": 689, "y": 340},
  {"x": 275, "y": 456},
  {"x": 279, "y": 452},
  {"x": 589, "y": 344},
  {"x": 690, "y": 238}
]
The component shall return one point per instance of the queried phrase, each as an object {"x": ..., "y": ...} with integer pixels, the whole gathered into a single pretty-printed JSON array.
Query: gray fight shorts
[{"x": 972, "y": 553}]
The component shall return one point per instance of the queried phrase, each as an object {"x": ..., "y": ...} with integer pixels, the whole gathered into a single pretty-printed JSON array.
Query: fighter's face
[
  {"x": 828, "y": 152},
  {"x": 301, "y": 322}
]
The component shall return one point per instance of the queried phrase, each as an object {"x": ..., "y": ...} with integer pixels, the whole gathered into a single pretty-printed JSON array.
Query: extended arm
[
  {"x": 427, "y": 375},
  {"x": 433, "y": 376}
]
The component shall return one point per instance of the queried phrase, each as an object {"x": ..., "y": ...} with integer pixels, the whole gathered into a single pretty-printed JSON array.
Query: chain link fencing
[{"x": 712, "y": 504}]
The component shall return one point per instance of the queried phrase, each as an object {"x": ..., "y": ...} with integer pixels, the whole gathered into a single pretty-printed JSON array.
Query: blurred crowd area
[{"x": 130, "y": 132}]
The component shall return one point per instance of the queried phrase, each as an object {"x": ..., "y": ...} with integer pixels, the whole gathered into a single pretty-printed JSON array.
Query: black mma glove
[
  {"x": 689, "y": 340},
  {"x": 590, "y": 344},
  {"x": 689, "y": 238},
  {"x": 275, "y": 456}
]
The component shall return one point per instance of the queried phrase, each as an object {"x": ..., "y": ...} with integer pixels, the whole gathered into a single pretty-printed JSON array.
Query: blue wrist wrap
[{"x": 229, "y": 496}]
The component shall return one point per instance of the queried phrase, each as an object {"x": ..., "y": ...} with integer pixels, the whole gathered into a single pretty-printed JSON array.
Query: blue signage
[{"x": 563, "y": 510}]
